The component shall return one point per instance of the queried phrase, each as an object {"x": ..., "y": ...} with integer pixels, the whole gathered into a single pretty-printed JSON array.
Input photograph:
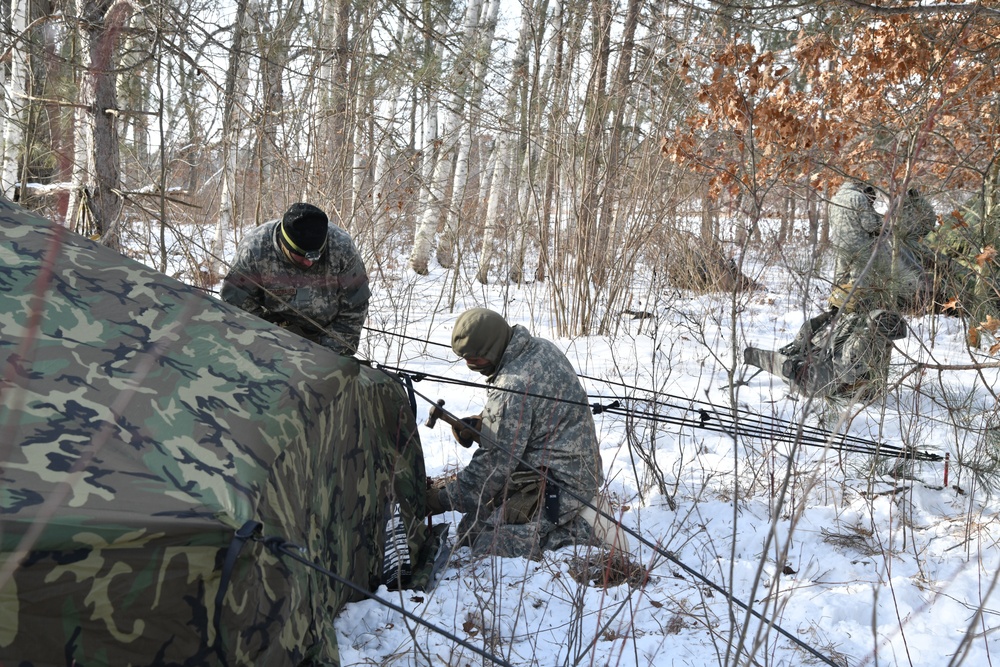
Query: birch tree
[
  {"x": 96, "y": 167},
  {"x": 14, "y": 97},
  {"x": 446, "y": 143},
  {"x": 509, "y": 150},
  {"x": 333, "y": 157},
  {"x": 430, "y": 140},
  {"x": 480, "y": 57}
]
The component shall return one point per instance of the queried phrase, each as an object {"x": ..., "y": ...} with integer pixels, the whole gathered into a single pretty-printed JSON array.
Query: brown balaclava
[{"x": 480, "y": 332}]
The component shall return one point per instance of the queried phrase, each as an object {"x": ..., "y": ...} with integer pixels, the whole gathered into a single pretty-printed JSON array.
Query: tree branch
[{"x": 925, "y": 10}]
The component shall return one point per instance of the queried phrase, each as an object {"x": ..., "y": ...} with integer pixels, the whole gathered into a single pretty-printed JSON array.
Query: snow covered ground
[{"x": 754, "y": 551}]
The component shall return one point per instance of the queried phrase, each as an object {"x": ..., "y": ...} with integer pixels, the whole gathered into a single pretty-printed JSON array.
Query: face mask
[{"x": 485, "y": 368}]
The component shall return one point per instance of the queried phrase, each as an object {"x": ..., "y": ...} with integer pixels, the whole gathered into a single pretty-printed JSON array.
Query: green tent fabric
[{"x": 143, "y": 423}]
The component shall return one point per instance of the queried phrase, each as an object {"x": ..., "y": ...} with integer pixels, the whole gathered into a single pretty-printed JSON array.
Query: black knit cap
[{"x": 306, "y": 226}]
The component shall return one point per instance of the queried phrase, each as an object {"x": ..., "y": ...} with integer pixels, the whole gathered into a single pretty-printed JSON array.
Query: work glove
[
  {"x": 467, "y": 430},
  {"x": 434, "y": 504}
]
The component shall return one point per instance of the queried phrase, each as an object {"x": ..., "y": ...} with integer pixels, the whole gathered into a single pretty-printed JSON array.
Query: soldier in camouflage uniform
[
  {"x": 845, "y": 351},
  {"x": 855, "y": 229},
  {"x": 304, "y": 274},
  {"x": 913, "y": 260},
  {"x": 836, "y": 354},
  {"x": 536, "y": 413}
]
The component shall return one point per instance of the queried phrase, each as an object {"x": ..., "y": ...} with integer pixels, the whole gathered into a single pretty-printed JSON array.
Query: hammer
[{"x": 464, "y": 433}]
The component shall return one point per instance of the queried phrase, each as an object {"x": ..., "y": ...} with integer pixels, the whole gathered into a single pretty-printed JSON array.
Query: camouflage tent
[{"x": 144, "y": 425}]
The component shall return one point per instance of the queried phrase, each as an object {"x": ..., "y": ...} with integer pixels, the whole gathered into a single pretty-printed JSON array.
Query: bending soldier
[
  {"x": 304, "y": 274},
  {"x": 862, "y": 260},
  {"x": 845, "y": 351}
]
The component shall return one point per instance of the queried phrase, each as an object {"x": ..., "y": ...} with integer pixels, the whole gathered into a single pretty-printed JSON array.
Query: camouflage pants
[
  {"x": 844, "y": 356},
  {"x": 493, "y": 536}
]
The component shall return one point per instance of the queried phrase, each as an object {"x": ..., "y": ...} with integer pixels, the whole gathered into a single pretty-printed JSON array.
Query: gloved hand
[
  {"x": 469, "y": 431},
  {"x": 433, "y": 499}
]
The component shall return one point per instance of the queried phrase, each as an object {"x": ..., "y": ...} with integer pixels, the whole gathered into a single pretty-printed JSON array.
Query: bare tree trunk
[
  {"x": 709, "y": 231},
  {"x": 96, "y": 173},
  {"x": 567, "y": 47},
  {"x": 424, "y": 235},
  {"x": 812, "y": 214},
  {"x": 339, "y": 160},
  {"x": 787, "y": 216},
  {"x": 232, "y": 106},
  {"x": 360, "y": 170},
  {"x": 548, "y": 110},
  {"x": 609, "y": 244},
  {"x": 589, "y": 257},
  {"x": 383, "y": 185},
  {"x": 274, "y": 44},
  {"x": 510, "y": 147},
  {"x": 498, "y": 183},
  {"x": 453, "y": 215},
  {"x": 388, "y": 149},
  {"x": 134, "y": 78},
  {"x": 481, "y": 48},
  {"x": 531, "y": 32}
]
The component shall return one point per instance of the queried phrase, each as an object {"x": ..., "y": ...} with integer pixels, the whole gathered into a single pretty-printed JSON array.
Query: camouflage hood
[
  {"x": 143, "y": 423},
  {"x": 482, "y": 333}
]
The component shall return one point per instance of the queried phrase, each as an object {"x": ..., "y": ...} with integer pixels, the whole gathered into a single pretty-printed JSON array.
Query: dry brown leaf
[
  {"x": 991, "y": 324},
  {"x": 986, "y": 256}
]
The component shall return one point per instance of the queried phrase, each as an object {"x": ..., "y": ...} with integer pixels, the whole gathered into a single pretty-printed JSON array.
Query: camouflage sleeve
[
  {"x": 506, "y": 422},
  {"x": 240, "y": 288},
  {"x": 354, "y": 296},
  {"x": 869, "y": 219},
  {"x": 917, "y": 217}
]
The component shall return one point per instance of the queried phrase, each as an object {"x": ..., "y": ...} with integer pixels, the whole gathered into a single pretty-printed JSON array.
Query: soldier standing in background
[
  {"x": 304, "y": 274},
  {"x": 913, "y": 260},
  {"x": 863, "y": 262},
  {"x": 536, "y": 413}
]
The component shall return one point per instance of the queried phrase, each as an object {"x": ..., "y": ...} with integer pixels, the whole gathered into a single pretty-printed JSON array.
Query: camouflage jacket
[
  {"x": 536, "y": 412},
  {"x": 326, "y": 303},
  {"x": 913, "y": 258},
  {"x": 917, "y": 218},
  {"x": 854, "y": 234}
]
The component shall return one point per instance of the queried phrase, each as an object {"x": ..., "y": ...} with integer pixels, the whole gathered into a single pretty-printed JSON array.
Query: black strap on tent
[
  {"x": 245, "y": 532},
  {"x": 408, "y": 381}
]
